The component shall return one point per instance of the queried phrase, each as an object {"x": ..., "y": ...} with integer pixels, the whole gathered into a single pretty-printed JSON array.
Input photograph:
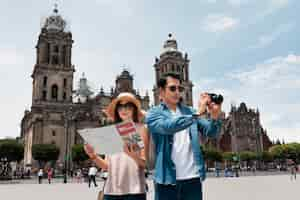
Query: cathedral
[
  {"x": 241, "y": 131},
  {"x": 58, "y": 110}
]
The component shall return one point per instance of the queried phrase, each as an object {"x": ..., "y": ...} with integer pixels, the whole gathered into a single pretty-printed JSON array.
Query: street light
[{"x": 68, "y": 117}]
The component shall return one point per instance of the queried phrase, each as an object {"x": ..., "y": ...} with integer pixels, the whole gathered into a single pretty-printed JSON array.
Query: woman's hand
[
  {"x": 132, "y": 150},
  {"x": 89, "y": 150}
]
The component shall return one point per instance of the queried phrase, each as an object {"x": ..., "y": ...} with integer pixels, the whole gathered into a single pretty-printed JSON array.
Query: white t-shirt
[
  {"x": 93, "y": 171},
  {"x": 40, "y": 173},
  {"x": 182, "y": 154}
]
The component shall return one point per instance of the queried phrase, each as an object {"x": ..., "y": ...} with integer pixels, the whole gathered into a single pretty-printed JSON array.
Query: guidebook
[{"x": 111, "y": 139}]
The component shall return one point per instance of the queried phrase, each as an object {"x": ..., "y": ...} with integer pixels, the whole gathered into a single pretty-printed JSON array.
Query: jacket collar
[{"x": 165, "y": 107}]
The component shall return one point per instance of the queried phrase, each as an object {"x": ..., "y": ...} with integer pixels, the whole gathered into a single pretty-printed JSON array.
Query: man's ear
[{"x": 161, "y": 93}]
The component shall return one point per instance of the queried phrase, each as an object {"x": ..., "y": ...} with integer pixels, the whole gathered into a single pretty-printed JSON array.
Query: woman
[
  {"x": 126, "y": 178},
  {"x": 49, "y": 175}
]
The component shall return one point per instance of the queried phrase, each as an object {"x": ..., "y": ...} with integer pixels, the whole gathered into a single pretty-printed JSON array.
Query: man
[
  {"x": 40, "y": 175},
  {"x": 174, "y": 127},
  {"x": 92, "y": 175}
]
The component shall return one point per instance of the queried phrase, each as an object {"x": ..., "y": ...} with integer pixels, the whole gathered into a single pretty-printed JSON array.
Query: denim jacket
[{"x": 162, "y": 127}]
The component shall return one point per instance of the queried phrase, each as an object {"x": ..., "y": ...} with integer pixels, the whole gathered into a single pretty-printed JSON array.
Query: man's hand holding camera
[{"x": 210, "y": 103}]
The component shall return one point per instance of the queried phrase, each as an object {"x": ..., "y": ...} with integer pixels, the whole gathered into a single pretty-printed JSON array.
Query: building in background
[{"x": 58, "y": 111}]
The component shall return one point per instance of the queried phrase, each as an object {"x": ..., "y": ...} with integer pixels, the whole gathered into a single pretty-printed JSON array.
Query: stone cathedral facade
[{"x": 58, "y": 110}]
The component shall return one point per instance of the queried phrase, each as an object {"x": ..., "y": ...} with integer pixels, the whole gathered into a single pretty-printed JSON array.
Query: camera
[{"x": 216, "y": 98}]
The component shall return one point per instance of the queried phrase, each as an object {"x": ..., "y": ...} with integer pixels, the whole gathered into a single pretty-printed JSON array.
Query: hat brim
[{"x": 110, "y": 110}]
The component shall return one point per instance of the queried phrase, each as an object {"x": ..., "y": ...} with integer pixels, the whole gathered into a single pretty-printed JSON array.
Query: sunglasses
[
  {"x": 173, "y": 88},
  {"x": 126, "y": 106}
]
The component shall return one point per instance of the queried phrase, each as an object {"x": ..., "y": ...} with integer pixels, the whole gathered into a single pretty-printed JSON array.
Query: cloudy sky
[{"x": 247, "y": 50}]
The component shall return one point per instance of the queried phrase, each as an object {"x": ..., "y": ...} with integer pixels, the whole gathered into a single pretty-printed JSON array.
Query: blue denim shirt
[{"x": 162, "y": 127}]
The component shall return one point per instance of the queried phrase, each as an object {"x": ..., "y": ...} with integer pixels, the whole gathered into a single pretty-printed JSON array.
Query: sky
[{"x": 247, "y": 50}]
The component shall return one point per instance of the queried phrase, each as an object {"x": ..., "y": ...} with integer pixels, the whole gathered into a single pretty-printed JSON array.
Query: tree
[
  {"x": 78, "y": 153},
  {"x": 211, "y": 155},
  {"x": 229, "y": 158},
  {"x": 44, "y": 153},
  {"x": 266, "y": 157},
  {"x": 247, "y": 156},
  {"x": 11, "y": 150},
  {"x": 292, "y": 151}
]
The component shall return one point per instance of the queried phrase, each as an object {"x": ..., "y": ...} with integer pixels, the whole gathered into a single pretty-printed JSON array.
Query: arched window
[
  {"x": 44, "y": 95},
  {"x": 45, "y": 81},
  {"x": 56, "y": 49},
  {"x": 55, "y": 59},
  {"x": 54, "y": 92},
  {"x": 65, "y": 82}
]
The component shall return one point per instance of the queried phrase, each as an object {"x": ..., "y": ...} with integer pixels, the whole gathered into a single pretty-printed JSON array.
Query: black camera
[{"x": 216, "y": 98}]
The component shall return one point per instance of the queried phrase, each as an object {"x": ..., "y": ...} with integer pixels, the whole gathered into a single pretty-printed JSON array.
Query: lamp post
[{"x": 68, "y": 117}]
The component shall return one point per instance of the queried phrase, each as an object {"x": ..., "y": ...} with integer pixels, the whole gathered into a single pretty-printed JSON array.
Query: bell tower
[
  {"x": 53, "y": 71},
  {"x": 124, "y": 83},
  {"x": 172, "y": 60}
]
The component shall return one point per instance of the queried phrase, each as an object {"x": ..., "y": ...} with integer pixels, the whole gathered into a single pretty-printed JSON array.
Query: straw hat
[{"x": 124, "y": 97}]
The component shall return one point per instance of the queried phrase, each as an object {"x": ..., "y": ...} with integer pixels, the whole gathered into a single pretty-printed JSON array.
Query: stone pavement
[{"x": 277, "y": 187}]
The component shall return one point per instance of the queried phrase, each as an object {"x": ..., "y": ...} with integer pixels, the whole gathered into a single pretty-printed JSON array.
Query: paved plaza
[{"x": 276, "y": 187}]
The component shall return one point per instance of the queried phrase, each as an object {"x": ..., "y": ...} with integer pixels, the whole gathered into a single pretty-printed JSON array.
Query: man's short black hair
[{"x": 163, "y": 80}]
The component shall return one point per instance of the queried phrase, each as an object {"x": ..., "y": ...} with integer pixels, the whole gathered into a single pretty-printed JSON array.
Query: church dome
[
  {"x": 170, "y": 45},
  {"x": 55, "y": 22}
]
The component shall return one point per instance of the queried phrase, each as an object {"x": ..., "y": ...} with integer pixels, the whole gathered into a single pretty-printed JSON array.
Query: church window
[
  {"x": 64, "y": 54},
  {"x": 44, "y": 95},
  {"x": 53, "y": 133},
  {"x": 64, "y": 96},
  {"x": 54, "y": 92},
  {"x": 65, "y": 82},
  {"x": 173, "y": 67},
  {"x": 56, "y": 49},
  {"x": 55, "y": 60},
  {"x": 47, "y": 53},
  {"x": 45, "y": 81}
]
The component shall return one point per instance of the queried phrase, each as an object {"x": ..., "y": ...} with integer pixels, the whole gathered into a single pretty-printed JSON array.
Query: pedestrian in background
[
  {"x": 92, "y": 175},
  {"x": 50, "y": 174},
  {"x": 40, "y": 176}
]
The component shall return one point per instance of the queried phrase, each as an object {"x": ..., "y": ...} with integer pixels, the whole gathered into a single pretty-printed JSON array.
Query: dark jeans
[
  {"x": 125, "y": 197},
  {"x": 92, "y": 178},
  {"x": 190, "y": 189}
]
